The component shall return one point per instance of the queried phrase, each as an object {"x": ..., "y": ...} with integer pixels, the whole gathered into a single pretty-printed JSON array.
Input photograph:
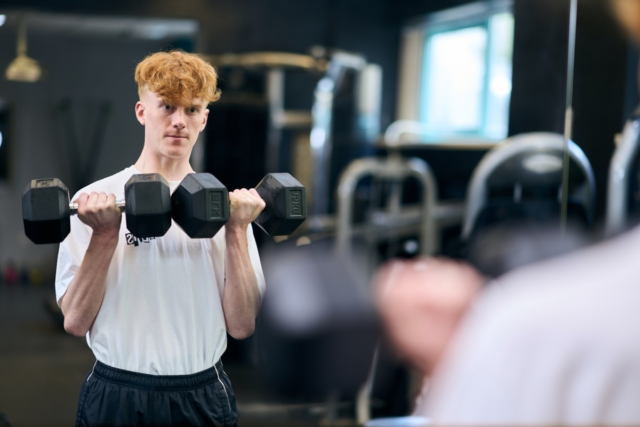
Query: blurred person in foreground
[{"x": 556, "y": 342}]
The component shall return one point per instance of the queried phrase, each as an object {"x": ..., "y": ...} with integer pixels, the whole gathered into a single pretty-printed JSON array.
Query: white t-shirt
[
  {"x": 554, "y": 343},
  {"x": 162, "y": 308}
]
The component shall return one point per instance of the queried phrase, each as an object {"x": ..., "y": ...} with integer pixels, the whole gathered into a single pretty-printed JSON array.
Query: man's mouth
[{"x": 177, "y": 136}]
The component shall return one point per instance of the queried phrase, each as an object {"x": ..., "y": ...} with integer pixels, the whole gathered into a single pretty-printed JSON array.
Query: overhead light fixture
[
  {"x": 2, "y": 19},
  {"x": 23, "y": 68}
]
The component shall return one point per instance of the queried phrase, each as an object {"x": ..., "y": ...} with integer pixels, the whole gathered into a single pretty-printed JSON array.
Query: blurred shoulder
[
  {"x": 609, "y": 266},
  {"x": 546, "y": 341},
  {"x": 577, "y": 296}
]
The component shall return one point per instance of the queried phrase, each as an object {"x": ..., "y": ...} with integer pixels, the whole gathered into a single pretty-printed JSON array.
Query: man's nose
[{"x": 178, "y": 119}]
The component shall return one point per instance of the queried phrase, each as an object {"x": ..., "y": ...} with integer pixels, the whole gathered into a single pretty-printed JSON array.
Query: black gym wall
[
  {"x": 601, "y": 84},
  {"x": 370, "y": 27},
  {"x": 85, "y": 73}
]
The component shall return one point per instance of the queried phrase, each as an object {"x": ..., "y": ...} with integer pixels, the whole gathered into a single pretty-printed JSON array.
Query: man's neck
[{"x": 170, "y": 169}]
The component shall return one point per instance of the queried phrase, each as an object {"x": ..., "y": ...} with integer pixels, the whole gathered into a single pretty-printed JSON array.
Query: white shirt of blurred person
[
  {"x": 549, "y": 344},
  {"x": 552, "y": 343}
]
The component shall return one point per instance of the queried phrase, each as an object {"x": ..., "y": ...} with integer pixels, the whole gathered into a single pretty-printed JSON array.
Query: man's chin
[{"x": 176, "y": 153}]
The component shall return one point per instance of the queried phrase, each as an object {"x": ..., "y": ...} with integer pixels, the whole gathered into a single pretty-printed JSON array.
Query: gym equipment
[
  {"x": 527, "y": 161},
  {"x": 315, "y": 336},
  {"x": 514, "y": 203},
  {"x": 200, "y": 204},
  {"x": 4, "y": 420},
  {"x": 389, "y": 222},
  {"x": 623, "y": 194},
  {"x": 46, "y": 209},
  {"x": 286, "y": 204},
  {"x": 392, "y": 221},
  {"x": 317, "y": 148}
]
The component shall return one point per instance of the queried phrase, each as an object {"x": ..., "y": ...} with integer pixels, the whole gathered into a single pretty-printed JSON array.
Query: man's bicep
[
  {"x": 70, "y": 256},
  {"x": 66, "y": 270},
  {"x": 254, "y": 255}
]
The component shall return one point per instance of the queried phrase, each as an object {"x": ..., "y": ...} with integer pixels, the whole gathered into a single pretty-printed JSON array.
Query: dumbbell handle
[{"x": 73, "y": 207}]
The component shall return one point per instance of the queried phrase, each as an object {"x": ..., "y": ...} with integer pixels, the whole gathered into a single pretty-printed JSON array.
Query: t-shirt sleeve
[
  {"x": 255, "y": 260},
  {"x": 71, "y": 254}
]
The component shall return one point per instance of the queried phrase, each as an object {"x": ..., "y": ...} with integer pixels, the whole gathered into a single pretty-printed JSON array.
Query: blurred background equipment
[
  {"x": 4, "y": 420},
  {"x": 389, "y": 221},
  {"x": 527, "y": 169},
  {"x": 623, "y": 195},
  {"x": 318, "y": 328},
  {"x": 82, "y": 167},
  {"x": 23, "y": 68},
  {"x": 10, "y": 276},
  {"x": 341, "y": 118},
  {"x": 515, "y": 198}
]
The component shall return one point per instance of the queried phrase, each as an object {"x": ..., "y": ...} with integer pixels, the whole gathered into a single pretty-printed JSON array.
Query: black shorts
[{"x": 115, "y": 397}]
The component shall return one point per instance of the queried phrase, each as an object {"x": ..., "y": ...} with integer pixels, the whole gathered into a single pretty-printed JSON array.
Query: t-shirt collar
[{"x": 172, "y": 184}]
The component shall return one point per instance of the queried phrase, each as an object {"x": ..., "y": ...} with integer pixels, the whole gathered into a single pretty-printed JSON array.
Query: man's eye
[
  {"x": 167, "y": 107},
  {"x": 192, "y": 110}
]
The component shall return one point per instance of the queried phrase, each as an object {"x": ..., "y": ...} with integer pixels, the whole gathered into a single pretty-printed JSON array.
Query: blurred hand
[
  {"x": 422, "y": 302},
  {"x": 628, "y": 14},
  {"x": 100, "y": 212},
  {"x": 246, "y": 205}
]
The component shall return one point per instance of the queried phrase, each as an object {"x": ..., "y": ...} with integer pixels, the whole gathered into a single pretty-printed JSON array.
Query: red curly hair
[{"x": 178, "y": 77}]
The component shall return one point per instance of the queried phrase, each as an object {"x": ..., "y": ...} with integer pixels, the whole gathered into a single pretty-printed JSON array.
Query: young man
[{"x": 156, "y": 312}]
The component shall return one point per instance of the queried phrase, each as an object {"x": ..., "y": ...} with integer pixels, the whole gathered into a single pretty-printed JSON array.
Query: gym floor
[{"x": 42, "y": 369}]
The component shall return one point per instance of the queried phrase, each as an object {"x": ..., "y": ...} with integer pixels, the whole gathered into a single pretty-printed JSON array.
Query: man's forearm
[
  {"x": 241, "y": 298},
  {"x": 83, "y": 298}
]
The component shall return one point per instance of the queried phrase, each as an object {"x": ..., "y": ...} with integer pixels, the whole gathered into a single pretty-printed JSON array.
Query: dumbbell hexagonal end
[
  {"x": 45, "y": 211},
  {"x": 200, "y": 205},
  {"x": 286, "y": 204},
  {"x": 147, "y": 205}
]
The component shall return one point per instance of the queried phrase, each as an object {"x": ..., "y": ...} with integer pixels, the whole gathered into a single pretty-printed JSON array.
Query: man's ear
[
  {"x": 204, "y": 120},
  {"x": 140, "y": 112}
]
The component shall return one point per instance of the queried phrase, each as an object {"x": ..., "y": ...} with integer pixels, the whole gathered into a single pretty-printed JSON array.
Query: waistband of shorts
[{"x": 158, "y": 382}]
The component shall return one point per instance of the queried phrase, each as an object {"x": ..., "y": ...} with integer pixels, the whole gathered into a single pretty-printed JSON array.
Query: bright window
[{"x": 465, "y": 82}]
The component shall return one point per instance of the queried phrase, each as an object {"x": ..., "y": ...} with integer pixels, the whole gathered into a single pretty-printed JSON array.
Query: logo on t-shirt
[{"x": 133, "y": 240}]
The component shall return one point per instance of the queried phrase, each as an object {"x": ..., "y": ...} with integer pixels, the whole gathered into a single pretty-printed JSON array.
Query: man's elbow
[
  {"x": 241, "y": 332},
  {"x": 73, "y": 327}
]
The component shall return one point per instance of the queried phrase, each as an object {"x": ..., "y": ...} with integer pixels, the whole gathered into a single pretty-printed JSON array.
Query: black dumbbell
[
  {"x": 200, "y": 204},
  {"x": 46, "y": 208}
]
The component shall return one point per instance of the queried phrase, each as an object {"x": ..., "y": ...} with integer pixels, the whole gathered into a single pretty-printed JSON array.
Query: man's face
[{"x": 171, "y": 130}]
